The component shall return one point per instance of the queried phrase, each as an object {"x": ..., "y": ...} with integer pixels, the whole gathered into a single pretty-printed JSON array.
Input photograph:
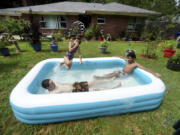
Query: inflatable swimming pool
[{"x": 32, "y": 107}]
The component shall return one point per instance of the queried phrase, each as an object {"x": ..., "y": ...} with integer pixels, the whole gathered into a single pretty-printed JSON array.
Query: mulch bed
[{"x": 145, "y": 57}]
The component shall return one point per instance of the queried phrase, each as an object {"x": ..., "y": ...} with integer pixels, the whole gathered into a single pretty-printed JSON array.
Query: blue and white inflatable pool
[{"x": 31, "y": 104}]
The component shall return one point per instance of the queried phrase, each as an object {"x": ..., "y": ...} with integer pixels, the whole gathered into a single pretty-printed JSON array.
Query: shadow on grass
[
  {"x": 107, "y": 53},
  {"x": 7, "y": 67},
  {"x": 59, "y": 51}
]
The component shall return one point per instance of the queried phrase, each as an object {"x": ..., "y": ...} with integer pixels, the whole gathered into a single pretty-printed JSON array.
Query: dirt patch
[{"x": 145, "y": 57}]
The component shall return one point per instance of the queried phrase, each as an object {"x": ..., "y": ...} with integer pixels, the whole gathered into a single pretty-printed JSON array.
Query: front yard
[{"x": 155, "y": 122}]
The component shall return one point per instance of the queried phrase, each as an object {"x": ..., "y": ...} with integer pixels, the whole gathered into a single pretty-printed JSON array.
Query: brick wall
[{"x": 113, "y": 24}]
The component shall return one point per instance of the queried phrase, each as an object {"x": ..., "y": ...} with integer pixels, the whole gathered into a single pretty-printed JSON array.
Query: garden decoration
[
  {"x": 174, "y": 62},
  {"x": 169, "y": 50}
]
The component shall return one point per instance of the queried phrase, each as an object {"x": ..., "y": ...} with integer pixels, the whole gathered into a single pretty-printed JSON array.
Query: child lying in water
[{"x": 54, "y": 87}]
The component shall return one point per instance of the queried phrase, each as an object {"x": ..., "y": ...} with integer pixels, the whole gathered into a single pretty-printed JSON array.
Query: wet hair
[
  {"x": 132, "y": 55},
  {"x": 45, "y": 83}
]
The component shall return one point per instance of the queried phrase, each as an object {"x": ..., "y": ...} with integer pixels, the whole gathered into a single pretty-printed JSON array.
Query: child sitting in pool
[
  {"x": 54, "y": 87},
  {"x": 129, "y": 67},
  {"x": 73, "y": 48}
]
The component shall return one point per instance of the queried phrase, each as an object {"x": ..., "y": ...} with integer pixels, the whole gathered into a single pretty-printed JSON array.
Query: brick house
[{"x": 113, "y": 18}]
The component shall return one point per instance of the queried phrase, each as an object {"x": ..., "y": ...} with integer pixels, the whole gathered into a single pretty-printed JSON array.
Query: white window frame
[
  {"x": 101, "y": 18},
  {"x": 58, "y": 22},
  {"x": 42, "y": 21}
]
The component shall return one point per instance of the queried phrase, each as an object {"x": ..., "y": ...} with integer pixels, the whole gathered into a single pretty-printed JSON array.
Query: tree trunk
[{"x": 17, "y": 46}]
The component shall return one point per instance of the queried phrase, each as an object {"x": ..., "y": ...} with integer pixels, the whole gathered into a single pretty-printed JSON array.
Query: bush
[
  {"x": 96, "y": 31},
  {"x": 89, "y": 32},
  {"x": 3, "y": 42},
  {"x": 175, "y": 59},
  {"x": 150, "y": 50}
]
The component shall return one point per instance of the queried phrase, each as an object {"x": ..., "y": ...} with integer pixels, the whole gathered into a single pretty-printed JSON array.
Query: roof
[{"x": 76, "y": 8}]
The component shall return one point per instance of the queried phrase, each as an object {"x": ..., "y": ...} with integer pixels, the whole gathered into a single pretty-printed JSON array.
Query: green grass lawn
[{"x": 155, "y": 122}]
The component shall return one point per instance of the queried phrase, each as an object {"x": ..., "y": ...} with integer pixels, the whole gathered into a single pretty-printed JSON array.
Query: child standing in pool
[{"x": 72, "y": 49}]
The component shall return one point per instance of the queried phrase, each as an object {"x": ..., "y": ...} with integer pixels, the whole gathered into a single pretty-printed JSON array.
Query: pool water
[{"x": 84, "y": 72}]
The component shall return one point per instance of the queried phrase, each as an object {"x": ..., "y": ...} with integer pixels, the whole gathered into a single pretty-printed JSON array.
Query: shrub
[
  {"x": 3, "y": 42},
  {"x": 150, "y": 50},
  {"x": 175, "y": 59},
  {"x": 96, "y": 31},
  {"x": 89, "y": 32}
]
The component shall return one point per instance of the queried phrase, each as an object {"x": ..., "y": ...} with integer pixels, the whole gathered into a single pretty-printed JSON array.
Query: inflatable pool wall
[{"x": 49, "y": 108}]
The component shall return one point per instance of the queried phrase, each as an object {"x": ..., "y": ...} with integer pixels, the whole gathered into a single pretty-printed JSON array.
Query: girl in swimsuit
[{"x": 73, "y": 48}]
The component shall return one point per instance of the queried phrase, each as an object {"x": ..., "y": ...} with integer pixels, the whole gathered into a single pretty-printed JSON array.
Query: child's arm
[
  {"x": 72, "y": 48},
  {"x": 122, "y": 57},
  {"x": 148, "y": 70}
]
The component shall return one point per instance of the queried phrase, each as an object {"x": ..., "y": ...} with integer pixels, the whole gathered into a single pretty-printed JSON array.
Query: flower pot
[
  {"x": 4, "y": 51},
  {"x": 173, "y": 66},
  {"x": 36, "y": 46},
  {"x": 102, "y": 49},
  {"x": 100, "y": 38},
  {"x": 54, "y": 48},
  {"x": 88, "y": 38},
  {"x": 169, "y": 52},
  {"x": 178, "y": 45}
]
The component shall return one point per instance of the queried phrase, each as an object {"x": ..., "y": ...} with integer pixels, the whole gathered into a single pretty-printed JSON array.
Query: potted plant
[
  {"x": 88, "y": 34},
  {"x": 3, "y": 41},
  {"x": 103, "y": 46},
  {"x": 174, "y": 62},
  {"x": 169, "y": 50},
  {"x": 34, "y": 33},
  {"x": 3, "y": 49}
]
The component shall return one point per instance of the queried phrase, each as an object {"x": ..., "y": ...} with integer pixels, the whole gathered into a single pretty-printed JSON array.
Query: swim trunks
[
  {"x": 120, "y": 72},
  {"x": 80, "y": 87}
]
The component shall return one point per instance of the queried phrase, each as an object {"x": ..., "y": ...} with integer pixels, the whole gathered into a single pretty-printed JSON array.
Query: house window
[
  {"x": 101, "y": 19},
  {"x": 62, "y": 22},
  {"x": 52, "y": 22},
  {"x": 133, "y": 22},
  {"x": 42, "y": 22}
]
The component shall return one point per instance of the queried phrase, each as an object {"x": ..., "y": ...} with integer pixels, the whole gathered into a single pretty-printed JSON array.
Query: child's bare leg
[
  {"x": 99, "y": 82},
  {"x": 103, "y": 88},
  {"x": 114, "y": 74},
  {"x": 67, "y": 63}
]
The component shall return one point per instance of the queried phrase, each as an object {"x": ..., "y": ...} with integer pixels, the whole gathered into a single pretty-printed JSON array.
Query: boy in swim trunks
[
  {"x": 129, "y": 67},
  {"x": 54, "y": 87}
]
